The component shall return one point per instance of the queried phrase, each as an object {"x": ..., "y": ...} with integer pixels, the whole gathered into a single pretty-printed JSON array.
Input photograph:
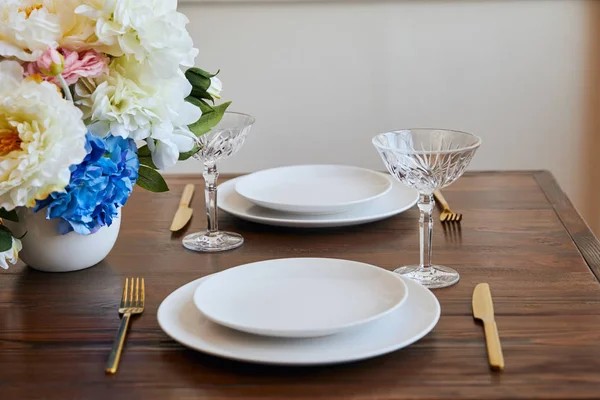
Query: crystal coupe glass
[
  {"x": 224, "y": 140},
  {"x": 427, "y": 160}
]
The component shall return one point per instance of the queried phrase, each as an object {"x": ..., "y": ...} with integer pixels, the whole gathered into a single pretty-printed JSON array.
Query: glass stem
[
  {"x": 426, "y": 204},
  {"x": 210, "y": 193}
]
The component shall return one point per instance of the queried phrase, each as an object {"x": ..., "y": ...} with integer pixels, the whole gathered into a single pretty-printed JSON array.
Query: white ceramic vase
[{"x": 47, "y": 250}]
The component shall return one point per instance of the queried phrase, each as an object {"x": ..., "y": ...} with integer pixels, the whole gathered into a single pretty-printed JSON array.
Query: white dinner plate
[
  {"x": 397, "y": 200},
  {"x": 299, "y": 297},
  {"x": 313, "y": 189},
  {"x": 179, "y": 319}
]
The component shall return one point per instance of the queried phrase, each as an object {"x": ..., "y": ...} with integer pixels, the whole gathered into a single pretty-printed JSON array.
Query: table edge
[{"x": 586, "y": 242}]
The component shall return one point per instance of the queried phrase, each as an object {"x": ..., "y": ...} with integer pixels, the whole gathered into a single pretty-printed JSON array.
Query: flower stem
[{"x": 65, "y": 87}]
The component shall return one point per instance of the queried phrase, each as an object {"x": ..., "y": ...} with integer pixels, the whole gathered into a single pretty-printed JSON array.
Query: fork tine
[
  {"x": 137, "y": 292},
  {"x": 444, "y": 218},
  {"x": 131, "y": 293},
  {"x": 124, "y": 297},
  {"x": 143, "y": 296},
  {"x": 459, "y": 217}
]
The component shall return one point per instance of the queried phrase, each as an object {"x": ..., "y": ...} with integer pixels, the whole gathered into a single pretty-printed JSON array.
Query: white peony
[
  {"x": 41, "y": 136},
  {"x": 11, "y": 255},
  {"x": 131, "y": 103},
  {"x": 78, "y": 33},
  {"x": 152, "y": 31},
  {"x": 27, "y": 29}
]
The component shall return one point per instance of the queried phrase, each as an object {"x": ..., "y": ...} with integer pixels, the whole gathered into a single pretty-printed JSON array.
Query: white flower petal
[
  {"x": 215, "y": 87},
  {"x": 165, "y": 154},
  {"x": 11, "y": 255},
  {"x": 188, "y": 114},
  {"x": 100, "y": 128},
  {"x": 184, "y": 139},
  {"x": 26, "y": 35}
]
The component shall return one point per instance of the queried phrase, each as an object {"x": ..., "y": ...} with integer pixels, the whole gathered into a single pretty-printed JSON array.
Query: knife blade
[
  {"x": 184, "y": 212},
  {"x": 483, "y": 309}
]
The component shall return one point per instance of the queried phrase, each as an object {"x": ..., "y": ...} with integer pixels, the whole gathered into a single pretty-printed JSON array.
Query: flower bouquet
[{"x": 93, "y": 100}]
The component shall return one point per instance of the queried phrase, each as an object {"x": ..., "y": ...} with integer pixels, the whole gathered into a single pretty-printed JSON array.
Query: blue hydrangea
[{"x": 99, "y": 186}]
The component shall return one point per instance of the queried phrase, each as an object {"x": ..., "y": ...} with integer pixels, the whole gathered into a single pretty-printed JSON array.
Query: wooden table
[{"x": 520, "y": 234}]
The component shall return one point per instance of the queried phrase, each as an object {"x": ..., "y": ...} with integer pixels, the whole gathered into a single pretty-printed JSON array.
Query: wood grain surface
[{"x": 520, "y": 234}]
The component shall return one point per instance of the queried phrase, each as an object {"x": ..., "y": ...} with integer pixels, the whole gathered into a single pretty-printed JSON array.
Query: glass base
[
  {"x": 432, "y": 278},
  {"x": 212, "y": 242}
]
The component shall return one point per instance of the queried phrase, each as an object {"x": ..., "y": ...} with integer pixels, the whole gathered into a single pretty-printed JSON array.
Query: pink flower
[
  {"x": 87, "y": 64},
  {"x": 51, "y": 63}
]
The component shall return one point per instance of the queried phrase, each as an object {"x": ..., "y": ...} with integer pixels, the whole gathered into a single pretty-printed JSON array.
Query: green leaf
[
  {"x": 194, "y": 101},
  {"x": 207, "y": 108},
  {"x": 199, "y": 79},
  {"x": 151, "y": 180},
  {"x": 144, "y": 151},
  {"x": 201, "y": 104},
  {"x": 9, "y": 215},
  {"x": 147, "y": 161},
  {"x": 202, "y": 94},
  {"x": 5, "y": 239},
  {"x": 209, "y": 119},
  {"x": 145, "y": 157},
  {"x": 188, "y": 154}
]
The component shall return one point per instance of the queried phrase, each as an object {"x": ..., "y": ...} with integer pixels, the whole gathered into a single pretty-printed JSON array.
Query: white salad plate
[
  {"x": 180, "y": 319},
  {"x": 313, "y": 189},
  {"x": 299, "y": 297},
  {"x": 397, "y": 200}
]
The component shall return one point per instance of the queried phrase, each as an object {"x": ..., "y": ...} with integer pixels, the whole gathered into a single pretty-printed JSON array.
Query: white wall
[{"x": 322, "y": 78}]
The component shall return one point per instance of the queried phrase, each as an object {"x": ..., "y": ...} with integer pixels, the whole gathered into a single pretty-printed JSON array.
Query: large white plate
[
  {"x": 313, "y": 189},
  {"x": 179, "y": 318},
  {"x": 299, "y": 297},
  {"x": 397, "y": 200}
]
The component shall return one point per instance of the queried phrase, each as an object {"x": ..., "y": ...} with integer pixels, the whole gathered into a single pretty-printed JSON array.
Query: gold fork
[
  {"x": 132, "y": 302},
  {"x": 447, "y": 215}
]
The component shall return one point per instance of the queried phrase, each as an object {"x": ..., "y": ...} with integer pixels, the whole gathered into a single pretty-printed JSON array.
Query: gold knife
[
  {"x": 483, "y": 309},
  {"x": 184, "y": 212}
]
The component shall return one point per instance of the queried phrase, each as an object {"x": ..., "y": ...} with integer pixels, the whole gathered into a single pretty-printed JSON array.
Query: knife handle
[
  {"x": 493, "y": 345},
  {"x": 186, "y": 197}
]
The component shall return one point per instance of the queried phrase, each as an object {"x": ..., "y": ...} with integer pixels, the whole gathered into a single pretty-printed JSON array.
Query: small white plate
[
  {"x": 397, "y": 200},
  {"x": 299, "y": 297},
  {"x": 179, "y": 319},
  {"x": 313, "y": 189}
]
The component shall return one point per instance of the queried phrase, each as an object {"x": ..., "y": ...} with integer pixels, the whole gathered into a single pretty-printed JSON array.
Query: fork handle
[
  {"x": 441, "y": 200},
  {"x": 115, "y": 353}
]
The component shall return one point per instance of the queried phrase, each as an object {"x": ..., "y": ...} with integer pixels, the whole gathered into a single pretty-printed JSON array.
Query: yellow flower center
[
  {"x": 9, "y": 141},
  {"x": 37, "y": 78},
  {"x": 28, "y": 10}
]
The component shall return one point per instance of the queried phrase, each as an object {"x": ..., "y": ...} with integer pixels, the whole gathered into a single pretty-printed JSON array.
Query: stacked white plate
[
  {"x": 315, "y": 196},
  {"x": 299, "y": 311}
]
